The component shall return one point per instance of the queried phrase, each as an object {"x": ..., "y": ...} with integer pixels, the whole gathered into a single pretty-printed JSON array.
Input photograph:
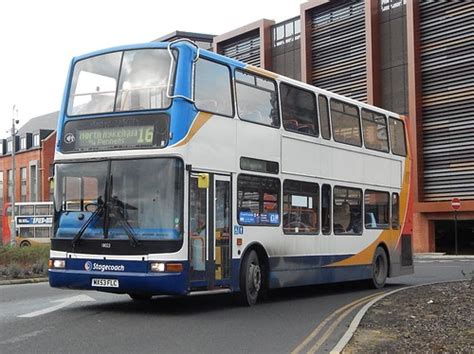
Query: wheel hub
[{"x": 255, "y": 276}]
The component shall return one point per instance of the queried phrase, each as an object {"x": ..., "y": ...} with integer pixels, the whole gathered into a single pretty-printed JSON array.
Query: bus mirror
[
  {"x": 51, "y": 182},
  {"x": 203, "y": 180}
]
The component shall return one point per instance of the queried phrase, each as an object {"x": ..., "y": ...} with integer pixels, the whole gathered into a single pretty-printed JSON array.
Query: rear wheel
[
  {"x": 379, "y": 269},
  {"x": 25, "y": 244},
  {"x": 251, "y": 279}
]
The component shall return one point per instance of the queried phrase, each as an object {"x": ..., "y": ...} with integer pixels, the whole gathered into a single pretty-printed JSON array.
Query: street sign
[{"x": 455, "y": 203}]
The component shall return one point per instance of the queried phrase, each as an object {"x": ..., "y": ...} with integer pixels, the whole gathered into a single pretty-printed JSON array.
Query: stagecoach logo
[
  {"x": 88, "y": 266},
  {"x": 69, "y": 138}
]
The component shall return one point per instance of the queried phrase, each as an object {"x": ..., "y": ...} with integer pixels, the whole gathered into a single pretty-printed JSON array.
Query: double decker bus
[
  {"x": 33, "y": 222},
  {"x": 180, "y": 170}
]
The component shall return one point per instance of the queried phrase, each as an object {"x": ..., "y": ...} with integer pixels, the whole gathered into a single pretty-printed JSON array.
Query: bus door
[{"x": 209, "y": 230}]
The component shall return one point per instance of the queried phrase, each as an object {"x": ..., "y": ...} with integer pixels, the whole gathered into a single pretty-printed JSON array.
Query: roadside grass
[{"x": 23, "y": 262}]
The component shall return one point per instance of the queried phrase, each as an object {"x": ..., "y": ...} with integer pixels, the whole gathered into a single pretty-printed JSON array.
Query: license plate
[{"x": 105, "y": 283}]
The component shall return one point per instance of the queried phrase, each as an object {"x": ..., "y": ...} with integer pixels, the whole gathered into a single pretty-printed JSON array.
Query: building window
[
  {"x": 258, "y": 200},
  {"x": 347, "y": 206},
  {"x": 300, "y": 207},
  {"x": 23, "y": 184},
  {"x": 213, "y": 88},
  {"x": 23, "y": 143},
  {"x": 36, "y": 140},
  {"x": 345, "y": 123},
  {"x": 9, "y": 146},
  {"x": 377, "y": 210},
  {"x": 33, "y": 184},
  {"x": 298, "y": 110},
  {"x": 257, "y": 99},
  {"x": 286, "y": 32},
  {"x": 375, "y": 130},
  {"x": 397, "y": 137}
]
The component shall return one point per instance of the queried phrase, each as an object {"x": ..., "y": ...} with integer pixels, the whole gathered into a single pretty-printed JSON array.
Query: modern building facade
[{"x": 413, "y": 57}]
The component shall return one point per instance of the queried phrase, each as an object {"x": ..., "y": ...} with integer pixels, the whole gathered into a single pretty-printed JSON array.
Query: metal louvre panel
[
  {"x": 447, "y": 67},
  {"x": 338, "y": 48},
  {"x": 246, "y": 49}
]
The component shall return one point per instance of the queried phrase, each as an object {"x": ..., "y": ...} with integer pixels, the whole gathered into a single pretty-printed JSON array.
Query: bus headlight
[
  {"x": 57, "y": 263},
  {"x": 157, "y": 267},
  {"x": 166, "y": 267}
]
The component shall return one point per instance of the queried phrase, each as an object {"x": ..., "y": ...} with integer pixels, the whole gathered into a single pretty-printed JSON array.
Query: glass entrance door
[
  {"x": 222, "y": 229},
  {"x": 209, "y": 231}
]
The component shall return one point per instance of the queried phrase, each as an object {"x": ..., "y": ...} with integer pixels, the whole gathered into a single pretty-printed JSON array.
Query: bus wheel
[
  {"x": 25, "y": 244},
  {"x": 251, "y": 279},
  {"x": 379, "y": 269},
  {"x": 140, "y": 297}
]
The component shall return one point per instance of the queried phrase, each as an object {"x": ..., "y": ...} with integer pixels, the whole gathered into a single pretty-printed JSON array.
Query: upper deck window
[
  {"x": 257, "y": 100},
  {"x": 213, "y": 88},
  {"x": 345, "y": 123},
  {"x": 397, "y": 137},
  {"x": 298, "y": 108},
  {"x": 375, "y": 130},
  {"x": 142, "y": 83}
]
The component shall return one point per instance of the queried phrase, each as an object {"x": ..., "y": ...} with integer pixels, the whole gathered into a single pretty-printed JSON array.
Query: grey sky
[{"x": 39, "y": 38}]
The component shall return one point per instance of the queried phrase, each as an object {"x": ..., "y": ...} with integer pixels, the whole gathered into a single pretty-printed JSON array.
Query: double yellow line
[{"x": 341, "y": 313}]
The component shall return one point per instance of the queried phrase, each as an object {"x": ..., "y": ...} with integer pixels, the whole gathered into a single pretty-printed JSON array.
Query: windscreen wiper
[
  {"x": 97, "y": 213},
  {"x": 117, "y": 207}
]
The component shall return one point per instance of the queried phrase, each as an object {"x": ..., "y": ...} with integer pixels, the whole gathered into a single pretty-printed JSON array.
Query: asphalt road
[{"x": 35, "y": 318}]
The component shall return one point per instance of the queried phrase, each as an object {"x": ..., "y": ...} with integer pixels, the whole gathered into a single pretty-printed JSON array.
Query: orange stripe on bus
[{"x": 199, "y": 121}]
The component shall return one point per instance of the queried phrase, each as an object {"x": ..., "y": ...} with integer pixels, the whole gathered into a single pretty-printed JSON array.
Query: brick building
[{"x": 34, "y": 156}]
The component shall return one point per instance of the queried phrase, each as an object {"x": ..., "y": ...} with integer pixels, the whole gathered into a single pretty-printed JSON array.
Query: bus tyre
[
  {"x": 379, "y": 269},
  {"x": 140, "y": 297},
  {"x": 251, "y": 279},
  {"x": 25, "y": 244}
]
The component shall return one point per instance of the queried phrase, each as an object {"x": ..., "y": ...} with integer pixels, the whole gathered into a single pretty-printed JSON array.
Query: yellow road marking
[{"x": 315, "y": 332}]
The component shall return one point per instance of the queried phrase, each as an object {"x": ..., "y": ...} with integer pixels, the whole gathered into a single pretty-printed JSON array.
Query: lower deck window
[
  {"x": 258, "y": 200},
  {"x": 377, "y": 210},
  {"x": 300, "y": 207},
  {"x": 347, "y": 206}
]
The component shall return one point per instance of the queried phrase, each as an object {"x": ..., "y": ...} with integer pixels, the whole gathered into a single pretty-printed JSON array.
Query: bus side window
[
  {"x": 397, "y": 137},
  {"x": 298, "y": 110},
  {"x": 324, "y": 116},
  {"x": 326, "y": 209},
  {"x": 395, "y": 211},
  {"x": 212, "y": 90},
  {"x": 300, "y": 207},
  {"x": 345, "y": 123},
  {"x": 376, "y": 208},
  {"x": 374, "y": 125},
  {"x": 347, "y": 204},
  {"x": 258, "y": 200},
  {"x": 257, "y": 99}
]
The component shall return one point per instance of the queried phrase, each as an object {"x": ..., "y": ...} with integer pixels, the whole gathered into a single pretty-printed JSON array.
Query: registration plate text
[{"x": 106, "y": 283}]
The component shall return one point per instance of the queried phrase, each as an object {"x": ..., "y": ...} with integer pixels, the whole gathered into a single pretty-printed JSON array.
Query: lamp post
[{"x": 13, "y": 135}]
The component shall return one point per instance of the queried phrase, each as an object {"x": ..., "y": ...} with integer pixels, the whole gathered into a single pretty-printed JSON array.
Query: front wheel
[
  {"x": 251, "y": 279},
  {"x": 379, "y": 269}
]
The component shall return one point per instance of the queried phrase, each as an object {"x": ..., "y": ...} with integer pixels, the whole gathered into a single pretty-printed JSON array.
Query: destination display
[
  {"x": 116, "y": 133},
  {"x": 115, "y": 137}
]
